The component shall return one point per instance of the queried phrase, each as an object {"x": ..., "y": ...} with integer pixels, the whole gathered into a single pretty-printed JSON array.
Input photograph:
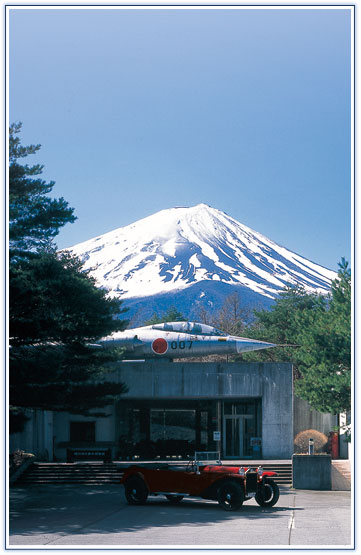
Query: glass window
[
  {"x": 204, "y": 431},
  {"x": 241, "y": 407},
  {"x": 166, "y": 427},
  {"x": 172, "y": 424}
]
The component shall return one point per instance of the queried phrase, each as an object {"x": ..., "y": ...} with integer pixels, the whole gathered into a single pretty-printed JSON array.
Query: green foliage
[
  {"x": 325, "y": 353},
  {"x": 280, "y": 325},
  {"x": 65, "y": 377},
  {"x": 53, "y": 300},
  {"x": 56, "y": 311},
  {"x": 171, "y": 315},
  {"x": 321, "y": 328},
  {"x": 34, "y": 218}
]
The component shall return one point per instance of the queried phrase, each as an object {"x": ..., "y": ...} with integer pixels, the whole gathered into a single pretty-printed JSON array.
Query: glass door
[
  {"x": 235, "y": 436},
  {"x": 232, "y": 435},
  {"x": 242, "y": 432}
]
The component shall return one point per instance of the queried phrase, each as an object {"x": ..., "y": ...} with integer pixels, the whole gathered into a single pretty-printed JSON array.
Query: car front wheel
[
  {"x": 136, "y": 492},
  {"x": 268, "y": 495},
  {"x": 230, "y": 496}
]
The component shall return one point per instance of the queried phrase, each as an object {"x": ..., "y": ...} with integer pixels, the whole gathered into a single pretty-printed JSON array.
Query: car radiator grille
[{"x": 251, "y": 482}]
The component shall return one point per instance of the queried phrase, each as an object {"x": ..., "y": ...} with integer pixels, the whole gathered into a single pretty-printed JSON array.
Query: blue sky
[{"x": 140, "y": 110}]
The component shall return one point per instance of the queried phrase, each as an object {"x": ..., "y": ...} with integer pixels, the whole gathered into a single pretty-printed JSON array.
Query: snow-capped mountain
[{"x": 177, "y": 249}]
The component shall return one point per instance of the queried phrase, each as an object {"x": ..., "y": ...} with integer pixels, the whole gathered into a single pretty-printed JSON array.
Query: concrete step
[
  {"x": 110, "y": 473},
  {"x": 71, "y": 473}
]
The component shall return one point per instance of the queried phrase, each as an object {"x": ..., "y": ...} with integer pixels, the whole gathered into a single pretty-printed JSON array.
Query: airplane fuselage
[{"x": 169, "y": 340}]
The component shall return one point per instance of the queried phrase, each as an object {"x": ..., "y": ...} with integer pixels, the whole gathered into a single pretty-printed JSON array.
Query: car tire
[
  {"x": 230, "y": 495},
  {"x": 174, "y": 499},
  {"x": 269, "y": 494},
  {"x": 136, "y": 492}
]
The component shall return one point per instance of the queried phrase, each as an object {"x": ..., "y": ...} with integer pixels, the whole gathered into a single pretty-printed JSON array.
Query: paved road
[{"x": 58, "y": 515}]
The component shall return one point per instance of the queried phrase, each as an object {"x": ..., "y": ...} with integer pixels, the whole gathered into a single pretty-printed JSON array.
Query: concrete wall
[
  {"x": 282, "y": 415},
  {"x": 305, "y": 418},
  {"x": 311, "y": 472},
  {"x": 104, "y": 428},
  {"x": 270, "y": 381},
  {"x": 37, "y": 436}
]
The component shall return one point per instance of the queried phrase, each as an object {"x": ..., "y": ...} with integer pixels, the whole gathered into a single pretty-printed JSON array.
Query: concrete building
[{"x": 245, "y": 410}]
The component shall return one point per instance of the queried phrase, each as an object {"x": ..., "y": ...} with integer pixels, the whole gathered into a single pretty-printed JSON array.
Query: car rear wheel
[
  {"x": 269, "y": 494},
  {"x": 136, "y": 492},
  {"x": 174, "y": 499},
  {"x": 230, "y": 496}
]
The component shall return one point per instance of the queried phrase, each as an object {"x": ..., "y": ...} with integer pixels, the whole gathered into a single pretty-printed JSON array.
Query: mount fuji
[{"x": 192, "y": 258}]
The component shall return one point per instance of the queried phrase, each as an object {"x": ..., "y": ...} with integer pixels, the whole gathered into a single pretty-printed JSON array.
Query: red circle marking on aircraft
[{"x": 159, "y": 346}]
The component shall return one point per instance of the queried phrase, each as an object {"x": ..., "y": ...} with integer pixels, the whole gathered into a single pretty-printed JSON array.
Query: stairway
[
  {"x": 92, "y": 473},
  {"x": 341, "y": 475},
  {"x": 284, "y": 471}
]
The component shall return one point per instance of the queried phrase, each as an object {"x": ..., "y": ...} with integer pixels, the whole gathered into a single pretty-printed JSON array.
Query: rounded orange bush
[{"x": 301, "y": 441}]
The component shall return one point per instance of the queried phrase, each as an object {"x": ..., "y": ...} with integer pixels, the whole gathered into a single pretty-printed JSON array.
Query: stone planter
[{"x": 311, "y": 472}]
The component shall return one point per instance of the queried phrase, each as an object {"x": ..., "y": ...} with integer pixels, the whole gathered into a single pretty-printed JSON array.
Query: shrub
[
  {"x": 17, "y": 458},
  {"x": 301, "y": 441}
]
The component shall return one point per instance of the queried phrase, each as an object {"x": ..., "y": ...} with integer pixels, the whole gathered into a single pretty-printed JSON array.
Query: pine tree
[
  {"x": 320, "y": 328},
  {"x": 34, "y": 218},
  {"x": 281, "y": 324},
  {"x": 56, "y": 311},
  {"x": 325, "y": 353}
]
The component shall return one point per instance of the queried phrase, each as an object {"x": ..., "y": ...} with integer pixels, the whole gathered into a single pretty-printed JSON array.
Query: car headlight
[
  {"x": 260, "y": 471},
  {"x": 241, "y": 471}
]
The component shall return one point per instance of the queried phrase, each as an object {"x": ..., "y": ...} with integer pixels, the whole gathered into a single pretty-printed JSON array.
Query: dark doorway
[{"x": 82, "y": 432}]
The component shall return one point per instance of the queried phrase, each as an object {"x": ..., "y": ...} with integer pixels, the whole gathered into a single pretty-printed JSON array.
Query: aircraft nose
[{"x": 245, "y": 345}]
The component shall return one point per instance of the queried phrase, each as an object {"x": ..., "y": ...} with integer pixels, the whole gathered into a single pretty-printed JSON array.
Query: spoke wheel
[
  {"x": 230, "y": 496},
  {"x": 269, "y": 494},
  {"x": 136, "y": 492}
]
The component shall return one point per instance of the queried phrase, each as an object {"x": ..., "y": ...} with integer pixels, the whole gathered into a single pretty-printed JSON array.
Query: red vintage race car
[{"x": 229, "y": 485}]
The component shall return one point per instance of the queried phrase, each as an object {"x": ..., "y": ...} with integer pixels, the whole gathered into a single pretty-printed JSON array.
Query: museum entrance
[
  {"x": 175, "y": 429},
  {"x": 151, "y": 429}
]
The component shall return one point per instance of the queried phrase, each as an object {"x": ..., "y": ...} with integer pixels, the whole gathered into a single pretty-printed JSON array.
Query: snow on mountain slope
[{"x": 179, "y": 247}]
